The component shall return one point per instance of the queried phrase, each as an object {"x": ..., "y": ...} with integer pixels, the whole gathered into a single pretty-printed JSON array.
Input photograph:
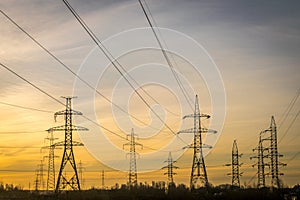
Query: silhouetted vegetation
[{"x": 155, "y": 192}]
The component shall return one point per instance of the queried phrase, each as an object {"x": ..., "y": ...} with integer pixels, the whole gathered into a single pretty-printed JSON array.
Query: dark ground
[{"x": 150, "y": 193}]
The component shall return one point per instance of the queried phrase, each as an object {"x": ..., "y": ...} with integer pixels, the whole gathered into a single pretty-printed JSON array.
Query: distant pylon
[
  {"x": 36, "y": 181},
  {"x": 198, "y": 173},
  {"x": 132, "y": 178},
  {"x": 170, "y": 171},
  {"x": 39, "y": 181},
  {"x": 235, "y": 165},
  {"x": 102, "y": 178},
  {"x": 261, "y": 176},
  {"x": 80, "y": 171},
  {"x": 68, "y": 155},
  {"x": 51, "y": 158},
  {"x": 273, "y": 154}
]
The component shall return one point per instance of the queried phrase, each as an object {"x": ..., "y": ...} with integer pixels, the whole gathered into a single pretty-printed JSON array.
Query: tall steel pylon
[
  {"x": 51, "y": 158},
  {"x": 80, "y": 172},
  {"x": 36, "y": 181},
  {"x": 267, "y": 149},
  {"x": 39, "y": 181},
  {"x": 132, "y": 176},
  {"x": 273, "y": 154},
  {"x": 235, "y": 165},
  {"x": 68, "y": 158},
  {"x": 170, "y": 171},
  {"x": 261, "y": 176},
  {"x": 198, "y": 173},
  {"x": 102, "y": 178}
]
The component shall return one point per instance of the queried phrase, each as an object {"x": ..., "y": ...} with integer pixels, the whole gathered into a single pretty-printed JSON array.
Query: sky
[{"x": 240, "y": 57}]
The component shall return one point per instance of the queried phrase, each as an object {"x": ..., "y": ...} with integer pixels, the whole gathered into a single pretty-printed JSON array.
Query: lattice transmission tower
[
  {"x": 36, "y": 181},
  {"x": 68, "y": 159},
  {"x": 268, "y": 156},
  {"x": 170, "y": 171},
  {"x": 273, "y": 154},
  {"x": 132, "y": 176},
  {"x": 39, "y": 180},
  {"x": 51, "y": 161},
  {"x": 102, "y": 179},
  {"x": 80, "y": 172},
  {"x": 261, "y": 155},
  {"x": 198, "y": 173},
  {"x": 235, "y": 165}
]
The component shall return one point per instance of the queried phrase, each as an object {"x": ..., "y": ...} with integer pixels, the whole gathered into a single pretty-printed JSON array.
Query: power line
[
  {"x": 50, "y": 96},
  {"x": 289, "y": 127},
  {"x": 184, "y": 92},
  {"x": 293, "y": 157},
  {"x": 69, "y": 69},
  {"x": 15, "y": 147},
  {"x": 112, "y": 60},
  {"x": 19, "y": 132},
  {"x": 58, "y": 101},
  {"x": 39, "y": 89},
  {"x": 289, "y": 108},
  {"x": 26, "y": 108}
]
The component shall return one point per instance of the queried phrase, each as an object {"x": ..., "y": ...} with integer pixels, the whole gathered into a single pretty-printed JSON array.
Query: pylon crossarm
[
  {"x": 59, "y": 128},
  {"x": 190, "y": 130},
  {"x": 62, "y": 143},
  {"x": 265, "y": 131},
  {"x": 63, "y": 112},
  {"x": 79, "y": 128},
  {"x": 74, "y": 143},
  {"x": 205, "y": 130},
  {"x": 188, "y": 146},
  {"x": 196, "y": 115},
  {"x": 282, "y": 164},
  {"x": 139, "y": 144},
  {"x": 73, "y": 128},
  {"x": 206, "y": 146},
  {"x": 188, "y": 116}
]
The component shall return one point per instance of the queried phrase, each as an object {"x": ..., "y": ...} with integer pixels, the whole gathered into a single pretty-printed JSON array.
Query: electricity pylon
[
  {"x": 235, "y": 165},
  {"x": 267, "y": 149},
  {"x": 132, "y": 181},
  {"x": 39, "y": 181},
  {"x": 273, "y": 154},
  {"x": 261, "y": 155},
  {"x": 51, "y": 158},
  {"x": 198, "y": 173},
  {"x": 170, "y": 171},
  {"x": 36, "y": 181},
  {"x": 63, "y": 181},
  {"x": 102, "y": 178},
  {"x": 80, "y": 171}
]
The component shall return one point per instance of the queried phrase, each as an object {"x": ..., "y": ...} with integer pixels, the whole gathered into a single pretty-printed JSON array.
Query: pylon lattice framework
[
  {"x": 261, "y": 155},
  {"x": 235, "y": 165},
  {"x": 273, "y": 154},
  {"x": 51, "y": 156},
  {"x": 170, "y": 171},
  {"x": 132, "y": 176},
  {"x": 64, "y": 181},
  {"x": 80, "y": 172},
  {"x": 102, "y": 178},
  {"x": 269, "y": 135},
  {"x": 198, "y": 173},
  {"x": 39, "y": 181}
]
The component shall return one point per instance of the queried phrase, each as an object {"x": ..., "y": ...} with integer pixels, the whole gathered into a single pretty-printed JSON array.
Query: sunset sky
[{"x": 240, "y": 57}]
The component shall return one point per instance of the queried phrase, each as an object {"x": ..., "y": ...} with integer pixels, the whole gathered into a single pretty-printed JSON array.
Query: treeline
[{"x": 180, "y": 192}]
